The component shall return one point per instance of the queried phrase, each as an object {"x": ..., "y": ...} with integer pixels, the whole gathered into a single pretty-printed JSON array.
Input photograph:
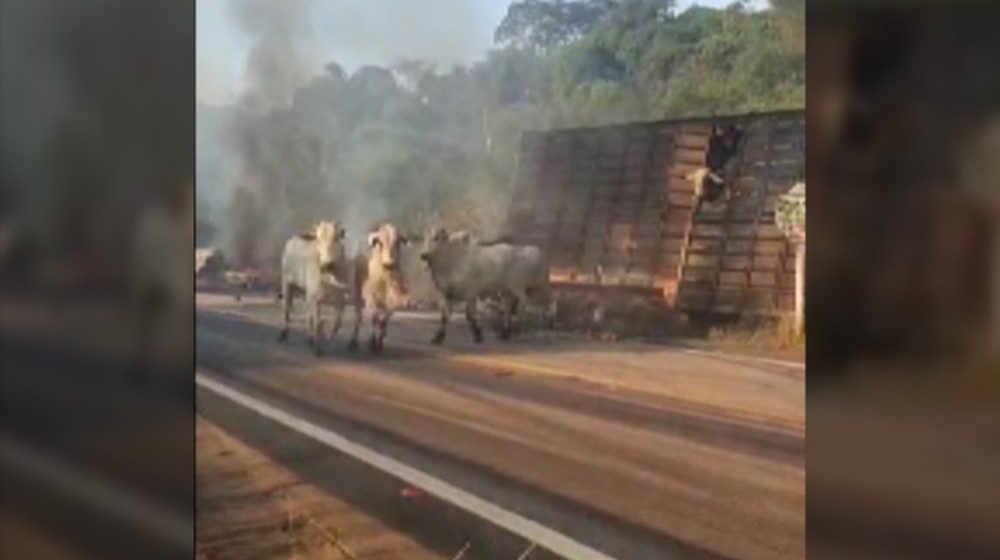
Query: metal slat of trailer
[
  {"x": 622, "y": 200},
  {"x": 688, "y": 226},
  {"x": 762, "y": 194},
  {"x": 726, "y": 236},
  {"x": 644, "y": 253}
]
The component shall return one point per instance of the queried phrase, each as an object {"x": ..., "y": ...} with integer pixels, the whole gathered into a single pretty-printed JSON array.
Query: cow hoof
[
  {"x": 372, "y": 346},
  {"x": 352, "y": 345},
  {"x": 437, "y": 340},
  {"x": 478, "y": 339},
  {"x": 283, "y": 336}
]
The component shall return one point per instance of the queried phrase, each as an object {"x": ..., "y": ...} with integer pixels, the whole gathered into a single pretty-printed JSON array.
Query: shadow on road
[{"x": 633, "y": 408}]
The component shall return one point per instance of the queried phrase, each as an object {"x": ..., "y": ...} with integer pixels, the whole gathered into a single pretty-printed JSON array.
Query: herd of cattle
[{"x": 317, "y": 267}]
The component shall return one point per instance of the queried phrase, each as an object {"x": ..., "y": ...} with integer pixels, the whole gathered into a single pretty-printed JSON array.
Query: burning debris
[{"x": 208, "y": 262}]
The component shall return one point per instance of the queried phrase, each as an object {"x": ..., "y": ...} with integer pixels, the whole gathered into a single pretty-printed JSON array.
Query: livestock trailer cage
[{"x": 615, "y": 210}]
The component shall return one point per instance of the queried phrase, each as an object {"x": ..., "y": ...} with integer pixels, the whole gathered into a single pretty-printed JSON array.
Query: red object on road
[{"x": 411, "y": 492}]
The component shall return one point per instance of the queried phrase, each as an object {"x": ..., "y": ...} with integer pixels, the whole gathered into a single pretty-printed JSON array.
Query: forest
[{"x": 414, "y": 143}]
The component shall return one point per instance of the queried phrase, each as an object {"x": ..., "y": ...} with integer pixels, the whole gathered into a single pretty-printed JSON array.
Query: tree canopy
[{"x": 413, "y": 142}]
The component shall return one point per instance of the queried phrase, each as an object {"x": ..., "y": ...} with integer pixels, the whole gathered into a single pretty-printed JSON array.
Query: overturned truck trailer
[{"x": 615, "y": 208}]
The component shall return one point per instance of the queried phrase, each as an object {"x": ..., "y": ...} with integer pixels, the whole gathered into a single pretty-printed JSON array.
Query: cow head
[
  {"x": 437, "y": 237},
  {"x": 385, "y": 244},
  {"x": 723, "y": 145},
  {"x": 329, "y": 239},
  {"x": 433, "y": 239}
]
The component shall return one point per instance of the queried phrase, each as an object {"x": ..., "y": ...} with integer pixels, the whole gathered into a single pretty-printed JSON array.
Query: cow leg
[
  {"x": 311, "y": 329},
  {"x": 318, "y": 338},
  {"x": 373, "y": 336},
  {"x": 383, "y": 329},
  {"x": 470, "y": 316},
  {"x": 443, "y": 325},
  {"x": 518, "y": 304},
  {"x": 509, "y": 311},
  {"x": 359, "y": 309},
  {"x": 286, "y": 295},
  {"x": 338, "y": 321}
]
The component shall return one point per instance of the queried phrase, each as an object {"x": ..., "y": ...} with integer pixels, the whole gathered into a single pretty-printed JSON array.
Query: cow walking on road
[
  {"x": 310, "y": 265},
  {"x": 464, "y": 270},
  {"x": 378, "y": 284}
]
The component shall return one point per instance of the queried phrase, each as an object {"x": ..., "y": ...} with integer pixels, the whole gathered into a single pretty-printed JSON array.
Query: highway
[{"x": 631, "y": 451}]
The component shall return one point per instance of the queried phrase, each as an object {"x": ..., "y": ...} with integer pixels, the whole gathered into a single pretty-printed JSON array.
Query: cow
[
  {"x": 465, "y": 270},
  {"x": 378, "y": 284},
  {"x": 709, "y": 181},
  {"x": 310, "y": 264}
]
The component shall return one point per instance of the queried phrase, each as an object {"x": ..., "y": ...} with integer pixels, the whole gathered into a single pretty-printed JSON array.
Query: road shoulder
[{"x": 251, "y": 507}]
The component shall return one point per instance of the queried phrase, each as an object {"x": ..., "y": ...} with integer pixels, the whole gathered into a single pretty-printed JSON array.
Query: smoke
[
  {"x": 279, "y": 61},
  {"x": 277, "y": 65},
  {"x": 315, "y": 141},
  {"x": 385, "y": 31}
]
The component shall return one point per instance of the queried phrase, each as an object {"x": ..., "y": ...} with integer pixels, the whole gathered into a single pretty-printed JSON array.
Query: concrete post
[{"x": 791, "y": 219}]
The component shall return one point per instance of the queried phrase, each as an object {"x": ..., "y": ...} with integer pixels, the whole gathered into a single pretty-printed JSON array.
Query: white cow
[
  {"x": 378, "y": 284},
  {"x": 464, "y": 270},
  {"x": 310, "y": 265}
]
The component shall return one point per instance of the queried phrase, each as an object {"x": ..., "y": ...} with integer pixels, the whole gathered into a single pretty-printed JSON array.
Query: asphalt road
[{"x": 638, "y": 453}]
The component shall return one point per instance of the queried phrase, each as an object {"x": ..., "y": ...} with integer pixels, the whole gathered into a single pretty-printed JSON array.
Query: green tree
[
  {"x": 545, "y": 24},
  {"x": 413, "y": 142}
]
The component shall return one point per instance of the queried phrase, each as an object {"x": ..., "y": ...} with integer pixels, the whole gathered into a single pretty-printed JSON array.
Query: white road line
[
  {"x": 742, "y": 357},
  {"x": 526, "y": 528},
  {"x": 114, "y": 501}
]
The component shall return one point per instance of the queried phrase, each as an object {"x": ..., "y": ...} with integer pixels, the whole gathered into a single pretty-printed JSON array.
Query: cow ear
[
  {"x": 372, "y": 239},
  {"x": 403, "y": 240}
]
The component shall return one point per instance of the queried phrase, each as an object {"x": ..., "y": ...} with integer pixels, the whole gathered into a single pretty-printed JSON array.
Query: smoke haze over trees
[{"x": 414, "y": 143}]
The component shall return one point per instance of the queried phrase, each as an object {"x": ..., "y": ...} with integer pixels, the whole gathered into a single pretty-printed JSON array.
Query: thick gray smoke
[
  {"x": 315, "y": 141},
  {"x": 278, "y": 62},
  {"x": 262, "y": 208}
]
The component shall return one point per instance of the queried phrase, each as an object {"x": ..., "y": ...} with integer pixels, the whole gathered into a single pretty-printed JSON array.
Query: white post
[{"x": 800, "y": 287}]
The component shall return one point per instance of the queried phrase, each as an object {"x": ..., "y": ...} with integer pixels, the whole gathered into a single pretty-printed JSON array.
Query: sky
[{"x": 357, "y": 32}]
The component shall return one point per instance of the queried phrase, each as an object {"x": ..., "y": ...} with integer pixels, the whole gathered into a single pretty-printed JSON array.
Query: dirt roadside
[{"x": 249, "y": 507}]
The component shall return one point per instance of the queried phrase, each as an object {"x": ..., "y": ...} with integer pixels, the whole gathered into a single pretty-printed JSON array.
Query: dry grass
[
  {"x": 249, "y": 507},
  {"x": 761, "y": 334}
]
